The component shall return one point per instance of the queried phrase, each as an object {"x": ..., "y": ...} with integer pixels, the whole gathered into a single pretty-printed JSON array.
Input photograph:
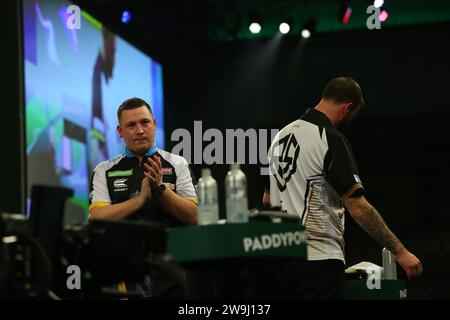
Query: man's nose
[{"x": 139, "y": 129}]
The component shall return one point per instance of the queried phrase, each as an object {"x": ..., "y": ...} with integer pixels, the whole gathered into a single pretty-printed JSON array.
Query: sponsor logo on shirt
[
  {"x": 120, "y": 185},
  {"x": 120, "y": 173},
  {"x": 166, "y": 170},
  {"x": 283, "y": 162}
]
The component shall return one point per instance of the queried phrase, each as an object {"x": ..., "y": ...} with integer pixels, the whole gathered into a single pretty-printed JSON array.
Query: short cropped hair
[
  {"x": 132, "y": 103},
  {"x": 342, "y": 90}
]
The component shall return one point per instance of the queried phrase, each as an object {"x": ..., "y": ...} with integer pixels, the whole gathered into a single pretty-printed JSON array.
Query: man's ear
[
  {"x": 348, "y": 107},
  {"x": 119, "y": 130}
]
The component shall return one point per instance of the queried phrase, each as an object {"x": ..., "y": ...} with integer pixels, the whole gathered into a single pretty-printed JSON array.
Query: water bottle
[
  {"x": 208, "y": 207},
  {"x": 389, "y": 265},
  {"x": 236, "y": 195}
]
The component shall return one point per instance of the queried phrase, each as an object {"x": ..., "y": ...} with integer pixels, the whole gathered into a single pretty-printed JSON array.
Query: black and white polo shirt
[
  {"x": 314, "y": 171},
  {"x": 119, "y": 179}
]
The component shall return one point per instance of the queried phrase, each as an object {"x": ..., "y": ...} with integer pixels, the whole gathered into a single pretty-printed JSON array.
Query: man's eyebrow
[
  {"x": 140, "y": 120},
  {"x": 144, "y": 119}
]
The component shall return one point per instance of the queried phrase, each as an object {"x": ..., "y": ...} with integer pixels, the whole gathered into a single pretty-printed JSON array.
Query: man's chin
[{"x": 140, "y": 149}]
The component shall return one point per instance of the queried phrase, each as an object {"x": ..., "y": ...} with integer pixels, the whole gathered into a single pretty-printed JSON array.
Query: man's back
[{"x": 314, "y": 170}]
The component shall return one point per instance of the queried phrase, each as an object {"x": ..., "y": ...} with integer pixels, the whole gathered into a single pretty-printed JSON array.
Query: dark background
[{"x": 400, "y": 139}]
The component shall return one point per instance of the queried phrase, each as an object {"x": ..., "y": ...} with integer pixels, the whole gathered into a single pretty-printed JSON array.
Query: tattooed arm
[{"x": 371, "y": 221}]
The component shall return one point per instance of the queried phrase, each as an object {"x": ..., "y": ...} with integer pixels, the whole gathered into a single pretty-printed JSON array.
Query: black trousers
[
  {"x": 320, "y": 280},
  {"x": 274, "y": 278},
  {"x": 298, "y": 279}
]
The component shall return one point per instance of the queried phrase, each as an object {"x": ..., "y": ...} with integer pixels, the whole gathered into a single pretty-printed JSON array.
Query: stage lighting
[
  {"x": 378, "y": 3},
  {"x": 254, "y": 22},
  {"x": 126, "y": 17},
  {"x": 308, "y": 28},
  {"x": 284, "y": 27},
  {"x": 344, "y": 11},
  {"x": 255, "y": 27},
  {"x": 383, "y": 16},
  {"x": 306, "y": 34}
]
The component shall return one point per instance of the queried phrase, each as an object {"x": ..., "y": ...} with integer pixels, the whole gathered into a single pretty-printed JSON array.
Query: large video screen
[{"x": 75, "y": 79}]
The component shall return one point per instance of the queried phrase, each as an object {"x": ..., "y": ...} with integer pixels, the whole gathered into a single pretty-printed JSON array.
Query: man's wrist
[
  {"x": 159, "y": 190},
  {"x": 142, "y": 199}
]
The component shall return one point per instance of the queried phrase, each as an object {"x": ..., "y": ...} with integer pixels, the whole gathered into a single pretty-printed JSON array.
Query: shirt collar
[
  {"x": 150, "y": 152},
  {"x": 317, "y": 117}
]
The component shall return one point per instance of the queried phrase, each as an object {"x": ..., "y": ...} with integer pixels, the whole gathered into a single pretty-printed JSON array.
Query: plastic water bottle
[
  {"x": 389, "y": 265},
  {"x": 236, "y": 195},
  {"x": 208, "y": 207}
]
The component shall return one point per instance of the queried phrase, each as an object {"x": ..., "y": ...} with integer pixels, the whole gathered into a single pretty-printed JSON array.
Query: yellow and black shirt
[{"x": 119, "y": 179}]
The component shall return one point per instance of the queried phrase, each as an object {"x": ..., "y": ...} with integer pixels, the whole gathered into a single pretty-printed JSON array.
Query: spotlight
[
  {"x": 284, "y": 27},
  {"x": 306, "y": 33},
  {"x": 344, "y": 11},
  {"x": 308, "y": 28},
  {"x": 126, "y": 17},
  {"x": 254, "y": 22},
  {"x": 383, "y": 16},
  {"x": 254, "y": 27},
  {"x": 378, "y": 3}
]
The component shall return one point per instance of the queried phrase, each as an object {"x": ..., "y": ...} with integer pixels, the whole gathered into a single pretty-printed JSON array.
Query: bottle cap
[
  {"x": 235, "y": 166},
  {"x": 206, "y": 172}
]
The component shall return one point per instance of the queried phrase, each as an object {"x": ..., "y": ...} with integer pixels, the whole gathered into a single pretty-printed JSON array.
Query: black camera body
[{"x": 41, "y": 259}]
